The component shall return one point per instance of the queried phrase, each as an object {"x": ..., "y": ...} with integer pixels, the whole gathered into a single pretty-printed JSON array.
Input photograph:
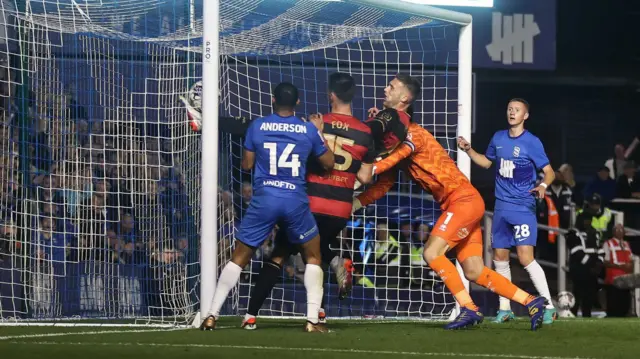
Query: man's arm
[
  {"x": 477, "y": 158},
  {"x": 248, "y": 160},
  {"x": 549, "y": 176},
  {"x": 375, "y": 191},
  {"x": 249, "y": 153},
  {"x": 576, "y": 247},
  {"x": 319, "y": 146},
  {"x": 632, "y": 147},
  {"x": 327, "y": 160},
  {"x": 540, "y": 160},
  {"x": 365, "y": 173},
  {"x": 394, "y": 158}
]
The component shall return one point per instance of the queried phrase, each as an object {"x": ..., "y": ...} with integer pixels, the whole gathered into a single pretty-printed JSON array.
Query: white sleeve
[{"x": 607, "y": 251}]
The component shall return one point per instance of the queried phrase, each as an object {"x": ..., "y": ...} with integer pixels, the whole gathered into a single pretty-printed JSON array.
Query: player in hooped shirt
[
  {"x": 429, "y": 165},
  {"x": 278, "y": 146},
  {"x": 518, "y": 156},
  {"x": 330, "y": 193}
]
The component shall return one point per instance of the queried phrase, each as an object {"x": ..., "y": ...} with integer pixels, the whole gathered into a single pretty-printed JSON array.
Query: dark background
[{"x": 584, "y": 107}]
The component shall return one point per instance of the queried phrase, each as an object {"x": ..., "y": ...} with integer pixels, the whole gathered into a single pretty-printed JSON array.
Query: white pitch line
[
  {"x": 97, "y": 332},
  {"x": 322, "y": 350}
]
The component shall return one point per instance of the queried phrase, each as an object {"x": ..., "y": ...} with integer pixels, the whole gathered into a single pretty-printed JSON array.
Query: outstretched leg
[{"x": 267, "y": 279}]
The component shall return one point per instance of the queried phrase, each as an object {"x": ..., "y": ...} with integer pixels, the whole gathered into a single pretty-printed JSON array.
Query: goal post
[
  {"x": 248, "y": 75},
  {"x": 210, "y": 153},
  {"x": 113, "y": 210}
]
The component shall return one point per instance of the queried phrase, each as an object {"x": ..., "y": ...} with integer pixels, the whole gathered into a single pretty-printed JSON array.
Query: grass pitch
[{"x": 575, "y": 338}]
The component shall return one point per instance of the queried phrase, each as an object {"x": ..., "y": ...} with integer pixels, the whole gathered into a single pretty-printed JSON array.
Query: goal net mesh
[{"x": 100, "y": 171}]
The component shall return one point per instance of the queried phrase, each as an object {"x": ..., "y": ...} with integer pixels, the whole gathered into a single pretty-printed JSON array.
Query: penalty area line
[{"x": 321, "y": 350}]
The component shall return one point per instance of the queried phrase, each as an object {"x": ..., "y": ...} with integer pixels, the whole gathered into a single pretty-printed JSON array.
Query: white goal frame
[{"x": 210, "y": 133}]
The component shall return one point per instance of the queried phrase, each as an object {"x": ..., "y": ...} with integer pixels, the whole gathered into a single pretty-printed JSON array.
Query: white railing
[{"x": 561, "y": 241}]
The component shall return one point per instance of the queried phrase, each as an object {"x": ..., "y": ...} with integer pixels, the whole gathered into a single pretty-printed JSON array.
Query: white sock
[
  {"x": 228, "y": 279},
  {"x": 248, "y": 316},
  {"x": 313, "y": 275},
  {"x": 539, "y": 281},
  {"x": 503, "y": 269}
]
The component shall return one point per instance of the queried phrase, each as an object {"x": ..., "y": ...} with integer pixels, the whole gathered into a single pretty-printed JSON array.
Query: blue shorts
[
  {"x": 513, "y": 228},
  {"x": 265, "y": 212}
]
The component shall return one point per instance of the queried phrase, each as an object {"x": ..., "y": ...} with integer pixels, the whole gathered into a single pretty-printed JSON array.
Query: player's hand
[
  {"x": 463, "y": 144},
  {"x": 356, "y": 205},
  {"x": 317, "y": 121},
  {"x": 373, "y": 112},
  {"x": 539, "y": 191}
]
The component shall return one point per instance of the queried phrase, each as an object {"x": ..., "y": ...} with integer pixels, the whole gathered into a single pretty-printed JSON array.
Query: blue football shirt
[
  {"x": 282, "y": 146},
  {"x": 517, "y": 160}
]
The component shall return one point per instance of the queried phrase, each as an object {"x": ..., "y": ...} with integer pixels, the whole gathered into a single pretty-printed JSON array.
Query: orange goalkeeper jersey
[{"x": 428, "y": 164}]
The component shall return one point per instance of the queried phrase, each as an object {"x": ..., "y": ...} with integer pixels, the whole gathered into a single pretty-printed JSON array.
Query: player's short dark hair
[
  {"x": 286, "y": 95},
  {"x": 343, "y": 86},
  {"x": 412, "y": 84},
  {"x": 522, "y": 101}
]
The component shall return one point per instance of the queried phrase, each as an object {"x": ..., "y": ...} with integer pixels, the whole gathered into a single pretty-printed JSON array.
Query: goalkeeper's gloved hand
[
  {"x": 195, "y": 116},
  {"x": 356, "y": 205}
]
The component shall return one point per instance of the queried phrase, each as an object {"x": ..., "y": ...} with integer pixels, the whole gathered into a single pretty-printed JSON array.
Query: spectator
[
  {"x": 547, "y": 214},
  {"x": 616, "y": 164},
  {"x": 242, "y": 202},
  {"x": 561, "y": 195},
  {"x": 585, "y": 263},
  {"x": 387, "y": 249},
  {"x": 92, "y": 226},
  {"x": 602, "y": 185},
  {"x": 569, "y": 178},
  {"x": 134, "y": 247},
  {"x": 49, "y": 245},
  {"x": 617, "y": 261},
  {"x": 602, "y": 217},
  {"x": 7, "y": 238},
  {"x": 628, "y": 185}
]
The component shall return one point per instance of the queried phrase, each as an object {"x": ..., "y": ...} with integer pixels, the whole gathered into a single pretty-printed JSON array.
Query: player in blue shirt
[
  {"x": 277, "y": 148},
  {"x": 518, "y": 155}
]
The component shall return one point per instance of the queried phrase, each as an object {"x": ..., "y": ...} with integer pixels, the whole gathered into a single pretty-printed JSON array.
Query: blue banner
[
  {"x": 515, "y": 34},
  {"x": 90, "y": 289}
]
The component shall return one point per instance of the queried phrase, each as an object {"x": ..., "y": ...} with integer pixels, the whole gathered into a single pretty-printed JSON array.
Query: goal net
[
  {"x": 302, "y": 43},
  {"x": 101, "y": 173}
]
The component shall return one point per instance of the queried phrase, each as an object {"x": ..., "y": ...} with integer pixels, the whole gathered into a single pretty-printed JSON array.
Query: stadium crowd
[{"x": 80, "y": 190}]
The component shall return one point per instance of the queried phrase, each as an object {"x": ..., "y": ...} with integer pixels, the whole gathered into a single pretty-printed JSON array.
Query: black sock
[{"x": 267, "y": 278}]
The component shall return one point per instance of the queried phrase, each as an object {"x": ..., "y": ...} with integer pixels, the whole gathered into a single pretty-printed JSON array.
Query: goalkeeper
[
  {"x": 331, "y": 195},
  {"x": 429, "y": 165}
]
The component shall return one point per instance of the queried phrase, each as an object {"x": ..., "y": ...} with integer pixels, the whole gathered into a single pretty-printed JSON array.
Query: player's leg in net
[
  {"x": 518, "y": 229},
  {"x": 459, "y": 227}
]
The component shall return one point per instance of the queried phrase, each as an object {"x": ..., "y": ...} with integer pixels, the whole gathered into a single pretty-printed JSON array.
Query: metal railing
[
  {"x": 561, "y": 266},
  {"x": 561, "y": 241}
]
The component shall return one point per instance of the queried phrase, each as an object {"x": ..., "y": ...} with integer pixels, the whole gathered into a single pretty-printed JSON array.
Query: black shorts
[{"x": 329, "y": 228}]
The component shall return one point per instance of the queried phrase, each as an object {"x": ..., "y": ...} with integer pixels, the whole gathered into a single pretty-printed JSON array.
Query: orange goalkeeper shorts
[{"x": 459, "y": 223}]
